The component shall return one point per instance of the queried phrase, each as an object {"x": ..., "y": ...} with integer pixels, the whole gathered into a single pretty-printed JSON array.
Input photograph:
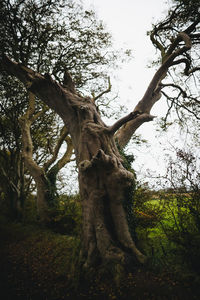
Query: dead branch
[
  {"x": 175, "y": 86},
  {"x": 104, "y": 92}
]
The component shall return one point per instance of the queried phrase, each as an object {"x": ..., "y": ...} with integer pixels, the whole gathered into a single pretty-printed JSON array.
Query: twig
[{"x": 104, "y": 92}]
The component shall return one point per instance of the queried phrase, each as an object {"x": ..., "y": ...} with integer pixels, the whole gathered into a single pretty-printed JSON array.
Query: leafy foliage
[{"x": 54, "y": 36}]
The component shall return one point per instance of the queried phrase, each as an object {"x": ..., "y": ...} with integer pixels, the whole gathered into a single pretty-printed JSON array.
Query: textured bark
[
  {"x": 36, "y": 172},
  {"x": 103, "y": 180},
  {"x": 40, "y": 174}
]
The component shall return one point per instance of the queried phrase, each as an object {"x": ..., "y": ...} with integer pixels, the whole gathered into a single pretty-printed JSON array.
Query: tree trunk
[
  {"x": 103, "y": 180},
  {"x": 103, "y": 184}
]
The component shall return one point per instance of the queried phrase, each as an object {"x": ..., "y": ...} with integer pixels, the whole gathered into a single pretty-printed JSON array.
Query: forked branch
[
  {"x": 66, "y": 158},
  {"x": 104, "y": 92},
  {"x": 112, "y": 129},
  {"x": 160, "y": 74},
  {"x": 63, "y": 135}
]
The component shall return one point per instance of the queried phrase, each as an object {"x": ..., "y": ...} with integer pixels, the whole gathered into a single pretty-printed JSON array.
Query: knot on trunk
[
  {"x": 104, "y": 160},
  {"x": 85, "y": 165},
  {"x": 100, "y": 160}
]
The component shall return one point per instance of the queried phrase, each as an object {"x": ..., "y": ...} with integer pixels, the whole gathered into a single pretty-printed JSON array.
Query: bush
[{"x": 67, "y": 218}]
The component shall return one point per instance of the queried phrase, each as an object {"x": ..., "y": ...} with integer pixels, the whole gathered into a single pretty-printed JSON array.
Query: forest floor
[{"x": 38, "y": 264}]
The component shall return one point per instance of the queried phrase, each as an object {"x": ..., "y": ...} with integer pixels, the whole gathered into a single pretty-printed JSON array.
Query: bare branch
[
  {"x": 63, "y": 135},
  {"x": 67, "y": 155},
  {"x": 31, "y": 105},
  {"x": 192, "y": 26},
  {"x": 39, "y": 114},
  {"x": 176, "y": 104},
  {"x": 30, "y": 113},
  {"x": 156, "y": 43},
  {"x": 11, "y": 183},
  {"x": 24, "y": 74},
  {"x": 112, "y": 129},
  {"x": 175, "y": 86},
  {"x": 42, "y": 86},
  {"x": 185, "y": 36},
  {"x": 125, "y": 133},
  {"x": 143, "y": 105},
  {"x": 186, "y": 62},
  {"x": 27, "y": 147},
  {"x": 193, "y": 70},
  {"x": 104, "y": 92}
]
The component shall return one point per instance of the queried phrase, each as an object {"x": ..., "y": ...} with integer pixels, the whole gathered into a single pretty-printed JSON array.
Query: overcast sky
[{"x": 128, "y": 21}]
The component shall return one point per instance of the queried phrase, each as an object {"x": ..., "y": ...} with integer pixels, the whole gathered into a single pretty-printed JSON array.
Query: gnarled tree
[{"x": 103, "y": 180}]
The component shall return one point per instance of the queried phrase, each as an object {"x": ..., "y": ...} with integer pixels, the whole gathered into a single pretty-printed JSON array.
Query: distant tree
[
  {"x": 103, "y": 180},
  {"x": 183, "y": 178},
  {"x": 14, "y": 184},
  {"x": 181, "y": 203}
]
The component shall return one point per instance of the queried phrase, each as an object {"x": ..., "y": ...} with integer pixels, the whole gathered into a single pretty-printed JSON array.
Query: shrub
[{"x": 67, "y": 218}]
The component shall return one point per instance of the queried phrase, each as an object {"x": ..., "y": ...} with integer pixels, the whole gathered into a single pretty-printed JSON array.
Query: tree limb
[
  {"x": 67, "y": 155},
  {"x": 157, "y": 44},
  {"x": 68, "y": 82},
  {"x": 63, "y": 135},
  {"x": 10, "y": 182},
  {"x": 27, "y": 146},
  {"x": 193, "y": 70},
  {"x": 186, "y": 62},
  {"x": 112, "y": 129},
  {"x": 175, "y": 86},
  {"x": 124, "y": 134},
  {"x": 44, "y": 87},
  {"x": 144, "y": 104}
]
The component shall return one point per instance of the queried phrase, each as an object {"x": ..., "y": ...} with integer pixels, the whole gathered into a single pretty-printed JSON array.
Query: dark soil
[{"x": 37, "y": 265}]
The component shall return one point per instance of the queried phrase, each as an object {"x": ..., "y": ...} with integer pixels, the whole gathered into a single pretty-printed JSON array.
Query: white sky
[{"x": 128, "y": 21}]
